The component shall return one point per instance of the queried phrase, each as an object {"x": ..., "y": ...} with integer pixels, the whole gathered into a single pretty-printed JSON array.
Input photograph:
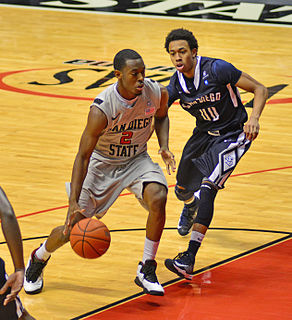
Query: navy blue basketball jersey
[{"x": 211, "y": 96}]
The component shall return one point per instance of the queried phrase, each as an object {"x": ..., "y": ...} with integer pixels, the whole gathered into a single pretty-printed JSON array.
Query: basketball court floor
[{"x": 54, "y": 59}]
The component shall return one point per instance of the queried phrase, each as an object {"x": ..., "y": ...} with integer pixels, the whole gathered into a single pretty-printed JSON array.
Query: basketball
[{"x": 90, "y": 238}]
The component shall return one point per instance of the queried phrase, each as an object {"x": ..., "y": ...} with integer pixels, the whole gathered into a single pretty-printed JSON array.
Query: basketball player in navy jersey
[
  {"x": 207, "y": 89},
  {"x": 112, "y": 157},
  {"x": 10, "y": 305}
]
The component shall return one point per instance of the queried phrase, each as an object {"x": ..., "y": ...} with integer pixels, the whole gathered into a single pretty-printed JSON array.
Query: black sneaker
[
  {"x": 147, "y": 279},
  {"x": 33, "y": 279},
  {"x": 187, "y": 217},
  {"x": 182, "y": 264}
]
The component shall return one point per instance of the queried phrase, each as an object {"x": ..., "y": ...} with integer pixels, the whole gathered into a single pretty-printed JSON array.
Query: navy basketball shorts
[
  {"x": 211, "y": 157},
  {"x": 13, "y": 310}
]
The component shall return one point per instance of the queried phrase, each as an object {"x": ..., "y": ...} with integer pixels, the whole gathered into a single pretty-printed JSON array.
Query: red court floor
[{"x": 255, "y": 287}]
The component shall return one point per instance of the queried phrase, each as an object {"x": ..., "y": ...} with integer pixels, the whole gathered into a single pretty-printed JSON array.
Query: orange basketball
[{"x": 90, "y": 238}]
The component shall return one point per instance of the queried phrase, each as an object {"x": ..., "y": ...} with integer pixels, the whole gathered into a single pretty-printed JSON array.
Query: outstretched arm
[
  {"x": 12, "y": 235},
  {"x": 246, "y": 82},
  {"x": 96, "y": 122},
  {"x": 161, "y": 126}
]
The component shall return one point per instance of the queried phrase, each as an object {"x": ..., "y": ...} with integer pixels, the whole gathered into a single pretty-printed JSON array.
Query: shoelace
[{"x": 185, "y": 257}]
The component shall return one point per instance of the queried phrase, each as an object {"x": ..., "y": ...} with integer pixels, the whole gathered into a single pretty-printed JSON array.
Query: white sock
[
  {"x": 42, "y": 253},
  {"x": 197, "y": 236},
  {"x": 150, "y": 249}
]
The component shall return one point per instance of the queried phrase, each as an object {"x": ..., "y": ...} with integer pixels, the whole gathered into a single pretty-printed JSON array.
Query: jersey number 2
[{"x": 126, "y": 137}]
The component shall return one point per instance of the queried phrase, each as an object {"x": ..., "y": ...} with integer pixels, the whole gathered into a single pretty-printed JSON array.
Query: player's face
[
  {"x": 131, "y": 78},
  {"x": 182, "y": 57}
]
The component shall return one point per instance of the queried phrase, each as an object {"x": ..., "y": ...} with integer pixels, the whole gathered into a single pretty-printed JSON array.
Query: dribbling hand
[{"x": 72, "y": 212}]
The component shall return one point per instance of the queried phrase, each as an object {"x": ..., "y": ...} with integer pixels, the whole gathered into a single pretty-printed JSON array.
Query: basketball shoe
[
  {"x": 147, "y": 279},
  {"x": 33, "y": 279},
  {"x": 182, "y": 264},
  {"x": 187, "y": 217}
]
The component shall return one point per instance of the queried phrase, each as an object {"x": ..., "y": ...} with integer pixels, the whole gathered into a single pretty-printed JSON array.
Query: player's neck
[
  {"x": 126, "y": 101},
  {"x": 191, "y": 73},
  {"x": 123, "y": 93}
]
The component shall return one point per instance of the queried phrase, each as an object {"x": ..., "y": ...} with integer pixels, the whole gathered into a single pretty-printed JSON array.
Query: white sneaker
[
  {"x": 147, "y": 279},
  {"x": 33, "y": 279}
]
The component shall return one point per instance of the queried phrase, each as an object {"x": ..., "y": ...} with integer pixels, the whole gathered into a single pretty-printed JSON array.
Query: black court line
[
  {"x": 27, "y": 239},
  {"x": 211, "y": 228},
  {"x": 212, "y": 266},
  {"x": 174, "y": 228}
]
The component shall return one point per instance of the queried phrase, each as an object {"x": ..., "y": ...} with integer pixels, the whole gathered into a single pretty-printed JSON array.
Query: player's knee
[
  {"x": 156, "y": 196},
  {"x": 208, "y": 193},
  {"x": 206, "y": 183},
  {"x": 183, "y": 194},
  {"x": 158, "y": 200}
]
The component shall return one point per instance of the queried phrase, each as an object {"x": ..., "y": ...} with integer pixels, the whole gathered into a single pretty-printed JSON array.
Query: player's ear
[
  {"x": 118, "y": 74},
  {"x": 194, "y": 52}
]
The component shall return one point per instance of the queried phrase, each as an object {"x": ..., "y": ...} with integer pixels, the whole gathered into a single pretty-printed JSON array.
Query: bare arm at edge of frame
[{"x": 13, "y": 238}]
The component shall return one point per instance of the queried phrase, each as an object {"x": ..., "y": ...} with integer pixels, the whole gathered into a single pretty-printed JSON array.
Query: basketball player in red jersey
[{"x": 112, "y": 157}]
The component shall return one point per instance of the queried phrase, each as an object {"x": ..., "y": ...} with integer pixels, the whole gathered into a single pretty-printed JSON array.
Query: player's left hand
[
  {"x": 15, "y": 282},
  {"x": 168, "y": 159},
  {"x": 251, "y": 128}
]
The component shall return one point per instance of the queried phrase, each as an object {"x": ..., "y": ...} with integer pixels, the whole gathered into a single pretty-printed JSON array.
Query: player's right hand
[{"x": 73, "y": 210}]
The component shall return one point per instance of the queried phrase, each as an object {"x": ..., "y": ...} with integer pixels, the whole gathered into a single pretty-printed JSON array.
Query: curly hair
[
  {"x": 181, "y": 34},
  {"x": 122, "y": 56}
]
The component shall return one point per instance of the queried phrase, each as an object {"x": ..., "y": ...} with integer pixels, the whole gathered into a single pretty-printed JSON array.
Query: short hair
[
  {"x": 122, "y": 56},
  {"x": 181, "y": 34}
]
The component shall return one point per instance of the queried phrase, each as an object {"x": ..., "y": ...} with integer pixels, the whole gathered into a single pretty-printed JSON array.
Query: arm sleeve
[{"x": 225, "y": 72}]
